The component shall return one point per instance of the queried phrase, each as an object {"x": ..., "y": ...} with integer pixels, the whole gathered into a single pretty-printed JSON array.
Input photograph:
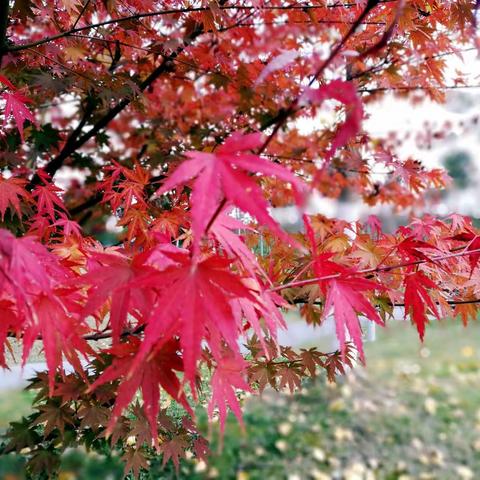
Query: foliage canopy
[{"x": 168, "y": 119}]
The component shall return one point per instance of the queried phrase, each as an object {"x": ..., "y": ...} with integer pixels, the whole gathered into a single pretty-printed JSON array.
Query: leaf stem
[{"x": 311, "y": 281}]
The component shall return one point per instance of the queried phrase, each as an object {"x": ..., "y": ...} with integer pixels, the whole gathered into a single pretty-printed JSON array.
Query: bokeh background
[{"x": 412, "y": 413}]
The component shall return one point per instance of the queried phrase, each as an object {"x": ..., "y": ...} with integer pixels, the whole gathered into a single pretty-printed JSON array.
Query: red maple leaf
[
  {"x": 346, "y": 299},
  {"x": 375, "y": 225},
  {"x": 45, "y": 307},
  {"x": 16, "y": 106},
  {"x": 47, "y": 197},
  {"x": 12, "y": 190},
  {"x": 7, "y": 82},
  {"x": 125, "y": 187},
  {"x": 194, "y": 303},
  {"x": 28, "y": 267},
  {"x": 114, "y": 276},
  {"x": 418, "y": 301},
  {"x": 346, "y": 93},
  {"x": 225, "y": 229},
  {"x": 224, "y": 174},
  {"x": 411, "y": 249},
  {"x": 228, "y": 375},
  {"x": 344, "y": 295},
  {"x": 158, "y": 371},
  {"x": 10, "y": 323},
  {"x": 473, "y": 244},
  {"x": 61, "y": 332},
  {"x": 70, "y": 227}
]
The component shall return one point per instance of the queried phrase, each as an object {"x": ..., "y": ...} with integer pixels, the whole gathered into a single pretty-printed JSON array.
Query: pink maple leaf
[{"x": 16, "y": 106}]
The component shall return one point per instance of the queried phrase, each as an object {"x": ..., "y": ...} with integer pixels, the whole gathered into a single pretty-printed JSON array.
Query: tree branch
[
  {"x": 391, "y": 304},
  {"x": 107, "y": 334},
  {"x": 73, "y": 143},
  {"x": 138, "y": 16},
  {"x": 4, "y": 12},
  {"x": 388, "y": 268},
  {"x": 415, "y": 87},
  {"x": 283, "y": 115},
  {"x": 310, "y": 281},
  {"x": 82, "y": 11}
]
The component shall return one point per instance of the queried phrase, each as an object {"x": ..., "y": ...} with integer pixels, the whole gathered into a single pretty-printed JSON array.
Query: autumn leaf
[
  {"x": 200, "y": 447},
  {"x": 311, "y": 359},
  {"x": 109, "y": 276},
  {"x": 15, "y": 106},
  {"x": 225, "y": 229},
  {"x": 47, "y": 196},
  {"x": 466, "y": 311},
  {"x": 124, "y": 187},
  {"x": 473, "y": 245},
  {"x": 140, "y": 427},
  {"x": 345, "y": 298},
  {"x": 12, "y": 190},
  {"x": 345, "y": 295},
  {"x": 223, "y": 174},
  {"x": 93, "y": 416},
  {"x": 375, "y": 225},
  {"x": 369, "y": 253},
  {"x": 411, "y": 249},
  {"x": 263, "y": 374},
  {"x": 159, "y": 371},
  {"x": 228, "y": 375},
  {"x": 336, "y": 362},
  {"x": 174, "y": 450},
  {"x": 195, "y": 304},
  {"x": 21, "y": 435},
  {"x": 10, "y": 322},
  {"x": 61, "y": 332},
  {"x": 346, "y": 93},
  {"x": 55, "y": 417},
  {"x": 290, "y": 376},
  {"x": 418, "y": 301},
  {"x": 7, "y": 82},
  {"x": 135, "y": 461}
]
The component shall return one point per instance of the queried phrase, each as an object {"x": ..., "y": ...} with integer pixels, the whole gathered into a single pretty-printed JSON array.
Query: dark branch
[
  {"x": 82, "y": 11},
  {"x": 138, "y": 16},
  {"x": 74, "y": 143},
  {"x": 136, "y": 331},
  {"x": 414, "y": 87},
  {"x": 284, "y": 114},
  {"x": 4, "y": 11},
  {"x": 91, "y": 202},
  {"x": 301, "y": 301}
]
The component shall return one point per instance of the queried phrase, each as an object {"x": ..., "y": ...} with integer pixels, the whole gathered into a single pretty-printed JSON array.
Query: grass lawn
[
  {"x": 413, "y": 413},
  {"x": 13, "y": 405}
]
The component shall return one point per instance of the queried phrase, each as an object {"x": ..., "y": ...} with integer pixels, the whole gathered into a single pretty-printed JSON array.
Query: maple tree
[{"x": 166, "y": 119}]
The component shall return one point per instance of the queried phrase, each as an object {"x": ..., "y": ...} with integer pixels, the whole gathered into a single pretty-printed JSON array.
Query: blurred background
[{"x": 412, "y": 413}]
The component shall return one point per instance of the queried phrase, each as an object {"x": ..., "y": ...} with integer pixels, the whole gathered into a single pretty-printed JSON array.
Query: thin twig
[
  {"x": 311, "y": 281},
  {"x": 138, "y": 16},
  {"x": 84, "y": 8},
  {"x": 284, "y": 114}
]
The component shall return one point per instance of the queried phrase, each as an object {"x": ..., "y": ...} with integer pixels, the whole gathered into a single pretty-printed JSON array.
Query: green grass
[
  {"x": 413, "y": 413},
  {"x": 13, "y": 405}
]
